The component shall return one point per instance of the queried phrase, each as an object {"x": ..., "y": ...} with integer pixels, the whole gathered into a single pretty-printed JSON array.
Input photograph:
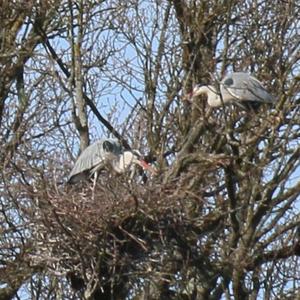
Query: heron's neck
[
  {"x": 122, "y": 162},
  {"x": 213, "y": 98}
]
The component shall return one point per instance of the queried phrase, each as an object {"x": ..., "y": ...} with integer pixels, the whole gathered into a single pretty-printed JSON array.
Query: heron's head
[
  {"x": 196, "y": 91},
  {"x": 208, "y": 91},
  {"x": 135, "y": 157}
]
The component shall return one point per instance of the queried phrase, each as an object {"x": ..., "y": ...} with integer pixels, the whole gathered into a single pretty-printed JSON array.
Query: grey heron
[
  {"x": 104, "y": 153},
  {"x": 236, "y": 88}
]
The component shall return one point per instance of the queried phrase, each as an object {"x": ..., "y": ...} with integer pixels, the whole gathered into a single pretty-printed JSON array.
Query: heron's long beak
[{"x": 146, "y": 166}]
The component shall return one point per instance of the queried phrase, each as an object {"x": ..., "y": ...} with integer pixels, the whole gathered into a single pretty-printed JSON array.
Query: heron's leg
[
  {"x": 94, "y": 184},
  {"x": 132, "y": 172}
]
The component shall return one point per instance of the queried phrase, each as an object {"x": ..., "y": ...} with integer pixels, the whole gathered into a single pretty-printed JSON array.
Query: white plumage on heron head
[{"x": 236, "y": 88}]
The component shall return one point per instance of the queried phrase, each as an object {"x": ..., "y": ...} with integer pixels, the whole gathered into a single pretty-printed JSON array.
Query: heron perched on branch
[
  {"x": 105, "y": 153},
  {"x": 237, "y": 88}
]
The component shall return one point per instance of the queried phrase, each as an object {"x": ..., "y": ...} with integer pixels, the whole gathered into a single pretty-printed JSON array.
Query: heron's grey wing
[
  {"x": 227, "y": 87},
  {"x": 91, "y": 157},
  {"x": 243, "y": 87},
  {"x": 256, "y": 88},
  {"x": 234, "y": 86}
]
